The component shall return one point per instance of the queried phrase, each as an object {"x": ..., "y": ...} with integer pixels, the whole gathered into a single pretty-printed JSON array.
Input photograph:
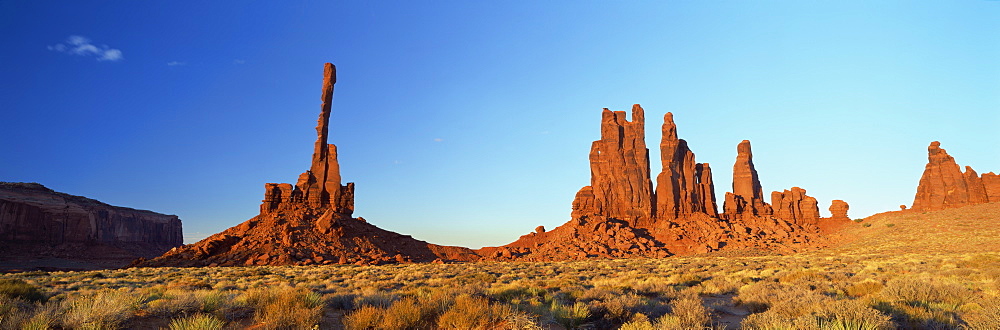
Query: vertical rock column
[
  {"x": 683, "y": 187},
  {"x": 747, "y": 196},
  {"x": 619, "y": 168}
]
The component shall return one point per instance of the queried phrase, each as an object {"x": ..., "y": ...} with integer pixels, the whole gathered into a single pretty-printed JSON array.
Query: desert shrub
[
  {"x": 639, "y": 321},
  {"x": 366, "y": 317},
  {"x": 101, "y": 310},
  {"x": 720, "y": 285},
  {"x": 378, "y": 299},
  {"x": 46, "y": 317},
  {"x": 853, "y": 314},
  {"x": 341, "y": 300},
  {"x": 689, "y": 312},
  {"x": 407, "y": 313},
  {"x": 666, "y": 322},
  {"x": 793, "y": 299},
  {"x": 15, "y": 288},
  {"x": 924, "y": 292},
  {"x": 864, "y": 288},
  {"x": 622, "y": 307},
  {"x": 197, "y": 322},
  {"x": 986, "y": 316},
  {"x": 13, "y": 312},
  {"x": 286, "y": 308},
  {"x": 473, "y": 313},
  {"x": 570, "y": 316}
]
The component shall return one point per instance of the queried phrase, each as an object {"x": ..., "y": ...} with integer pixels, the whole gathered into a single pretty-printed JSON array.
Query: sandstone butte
[
  {"x": 622, "y": 215},
  {"x": 309, "y": 222},
  {"x": 943, "y": 184},
  {"x": 44, "y": 229}
]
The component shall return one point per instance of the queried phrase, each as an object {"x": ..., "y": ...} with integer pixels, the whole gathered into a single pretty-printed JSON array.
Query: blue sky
[{"x": 469, "y": 122}]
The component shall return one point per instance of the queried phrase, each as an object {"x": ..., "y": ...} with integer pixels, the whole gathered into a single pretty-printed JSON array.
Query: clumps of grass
[
  {"x": 284, "y": 307},
  {"x": 462, "y": 312},
  {"x": 570, "y": 316},
  {"x": 686, "y": 312},
  {"x": 863, "y": 288},
  {"x": 197, "y": 322},
  {"x": 842, "y": 314},
  {"x": 101, "y": 310},
  {"x": 470, "y": 312},
  {"x": 923, "y": 303},
  {"x": 19, "y": 289}
]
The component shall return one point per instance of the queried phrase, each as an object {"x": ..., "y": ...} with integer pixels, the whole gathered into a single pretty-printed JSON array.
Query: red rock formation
[
  {"x": 977, "y": 191},
  {"x": 610, "y": 222},
  {"x": 683, "y": 187},
  {"x": 795, "y": 206},
  {"x": 309, "y": 223},
  {"x": 942, "y": 185},
  {"x": 619, "y": 165},
  {"x": 991, "y": 182},
  {"x": 38, "y": 223},
  {"x": 747, "y": 198},
  {"x": 838, "y": 210}
]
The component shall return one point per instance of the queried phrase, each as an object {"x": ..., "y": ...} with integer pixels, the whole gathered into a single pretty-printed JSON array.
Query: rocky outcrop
[
  {"x": 309, "y": 222},
  {"x": 838, "y": 210},
  {"x": 943, "y": 184},
  {"x": 977, "y": 191},
  {"x": 37, "y": 222},
  {"x": 747, "y": 198},
  {"x": 991, "y": 182},
  {"x": 795, "y": 206},
  {"x": 683, "y": 186},
  {"x": 617, "y": 217},
  {"x": 619, "y": 166}
]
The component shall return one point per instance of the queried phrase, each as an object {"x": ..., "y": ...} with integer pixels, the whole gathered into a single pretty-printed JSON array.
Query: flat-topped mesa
[
  {"x": 683, "y": 186},
  {"x": 943, "y": 184},
  {"x": 619, "y": 170},
  {"x": 320, "y": 186},
  {"x": 747, "y": 199},
  {"x": 795, "y": 206}
]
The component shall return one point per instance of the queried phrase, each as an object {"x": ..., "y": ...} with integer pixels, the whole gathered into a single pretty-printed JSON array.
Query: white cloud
[
  {"x": 81, "y": 46},
  {"x": 176, "y": 63},
  {"x": 438, "y": 139},
  {"x": 238, "y": 61}
]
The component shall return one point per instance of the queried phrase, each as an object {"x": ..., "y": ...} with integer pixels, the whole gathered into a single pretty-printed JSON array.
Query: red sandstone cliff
[
  {"x": 43, "y": 228},
  {"x": 310, "y": 222}
]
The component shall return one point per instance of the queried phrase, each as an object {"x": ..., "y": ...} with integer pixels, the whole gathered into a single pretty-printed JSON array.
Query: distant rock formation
[
  {"x": 943, "y": 184},
  {"x": 620, "y": 216},
  {"x": 991, "y": 182},
  {"x": 747, "y": 198},
  {"x": 683, "y": 186},
  {"x": 619, "y": 162},
  {"x": 38, "y": 223},
  {"x": 309, "y": 222},
  {"x": 838, "y": 210},
  {"x": 795, "y": 206}
]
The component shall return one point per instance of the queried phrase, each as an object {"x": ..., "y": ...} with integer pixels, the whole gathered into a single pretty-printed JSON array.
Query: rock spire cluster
[
  {"x": 943, "y": 184},
  {"x": 620, "y": 214}
]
